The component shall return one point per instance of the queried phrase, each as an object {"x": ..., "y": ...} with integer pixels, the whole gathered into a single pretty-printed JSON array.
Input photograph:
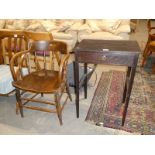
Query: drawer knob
[
  {"x": 105, "y": 49},
  {"x": 104, "y": 57}
]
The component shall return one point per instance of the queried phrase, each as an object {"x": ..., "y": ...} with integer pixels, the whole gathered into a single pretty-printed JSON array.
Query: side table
[{"x": 109, "y": 52}]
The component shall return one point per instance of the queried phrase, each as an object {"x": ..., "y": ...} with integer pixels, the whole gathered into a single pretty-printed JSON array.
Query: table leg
[
  {"x": 128, "y": 93},
  {"x": 125, "y": 88},
  {"x": 129, "y": 88},
  {"x": 76, "y": 78},
  {"x": 85, "y": 80}
]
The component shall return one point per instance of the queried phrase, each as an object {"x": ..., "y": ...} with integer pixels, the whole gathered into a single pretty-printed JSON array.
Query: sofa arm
[
  {"x": 62, "y": 35},
  {"x": 73, "y": 33},
  {"x": 2, "y": 23}
]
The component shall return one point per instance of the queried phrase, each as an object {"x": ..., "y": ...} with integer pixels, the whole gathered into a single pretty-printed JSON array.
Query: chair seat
[{"x": 43, "y": 81}]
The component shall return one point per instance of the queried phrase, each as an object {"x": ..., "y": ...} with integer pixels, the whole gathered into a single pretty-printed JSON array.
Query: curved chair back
[{"x": 36, "y": 36}]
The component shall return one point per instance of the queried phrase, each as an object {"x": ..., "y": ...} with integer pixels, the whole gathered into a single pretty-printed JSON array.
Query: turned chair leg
[
  {"x": 147, "y": 53},
  {"x": 19, "y": 103},
  {"x": 58, "y": 108},
  {"x": 153, "y": 69},
  {"x": 17, "y": 108},
  {"x": 68, "y": 91},
  {"x": 146, "y": 48}
]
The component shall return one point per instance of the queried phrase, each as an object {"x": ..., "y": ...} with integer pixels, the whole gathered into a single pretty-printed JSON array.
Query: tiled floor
[{"x": 36, "y": 122}]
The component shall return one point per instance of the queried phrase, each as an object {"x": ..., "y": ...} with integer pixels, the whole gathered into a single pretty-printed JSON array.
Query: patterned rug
[{"x": 141, "y": 111}]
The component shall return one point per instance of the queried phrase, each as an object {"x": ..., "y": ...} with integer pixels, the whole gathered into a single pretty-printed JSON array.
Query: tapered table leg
[
  {"x": 127, "y": 80},
  {"x": 76, "y": 74},
  {"x": 85, "y": 80},
  {"x": 129, "y": 88}
]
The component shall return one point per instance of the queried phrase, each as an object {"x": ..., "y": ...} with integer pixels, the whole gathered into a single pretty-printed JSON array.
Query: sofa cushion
[
  {"x": 35, "y": 25},
  {"x": 85, "y": 28},
  {"x": 94, "y": 25},
  {"x": 17, "y": 24},
  {"x": 123, "y": 29},
  {"x": 2, "y": 23},
  {"x": 100, "y": 36},
  {"x": 109, "y": 25},
  {"x": 61, "y": 35},
  {"x": 49, "y": 25},
  {"x": 64, "y": 25},
  {"x": 76, "y": 25}
]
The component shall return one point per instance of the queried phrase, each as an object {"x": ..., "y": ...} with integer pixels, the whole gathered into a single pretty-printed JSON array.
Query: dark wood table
[{"x": 109, "y": 52}]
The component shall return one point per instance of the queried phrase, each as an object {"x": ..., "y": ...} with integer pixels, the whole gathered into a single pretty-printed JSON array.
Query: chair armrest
[
  {"x": 16, "y": 68},
  {"x": 63, "y": 68},
  {"x": 152, "y": 28},
  {"x": 151, "y": 37},
  {"x": 58, "y": 46}
]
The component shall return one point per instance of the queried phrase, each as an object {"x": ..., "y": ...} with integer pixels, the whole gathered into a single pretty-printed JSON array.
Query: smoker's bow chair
[{"x": 42, "y": 79}]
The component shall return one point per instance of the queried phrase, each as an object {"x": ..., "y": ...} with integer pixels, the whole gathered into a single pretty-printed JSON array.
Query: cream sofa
[
  {"x": 72, "y": 31},
  {"x": 106, "y": 29},
  {"x": 62, "y": 30}
]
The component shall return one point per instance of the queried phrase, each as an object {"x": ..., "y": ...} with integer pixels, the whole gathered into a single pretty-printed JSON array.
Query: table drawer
[{"x": 105, "y": 58}]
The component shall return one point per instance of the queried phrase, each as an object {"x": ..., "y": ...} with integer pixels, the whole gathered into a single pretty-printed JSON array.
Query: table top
[{"x": 87, "y": 45}]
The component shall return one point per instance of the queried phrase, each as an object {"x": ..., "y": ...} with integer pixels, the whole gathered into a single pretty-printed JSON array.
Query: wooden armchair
[
  {"x": 42, "y": 79},
  {"x": 11, "y": 42},
  {"x": 150, "y": 45}
]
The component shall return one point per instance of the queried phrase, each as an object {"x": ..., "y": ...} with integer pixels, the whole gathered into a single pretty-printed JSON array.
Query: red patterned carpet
[{"x": 141, "y": 111}]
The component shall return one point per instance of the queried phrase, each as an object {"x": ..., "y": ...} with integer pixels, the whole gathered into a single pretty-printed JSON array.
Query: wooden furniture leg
[
  {"x": 129, "y": 88},
  {"x": 18, "y": 98},
  {"x": 127, "y": 79},
  {"x": 58, "y": 108},
  {"x": 76, "y": 73},
  {"x": 85, "y": 80}
]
